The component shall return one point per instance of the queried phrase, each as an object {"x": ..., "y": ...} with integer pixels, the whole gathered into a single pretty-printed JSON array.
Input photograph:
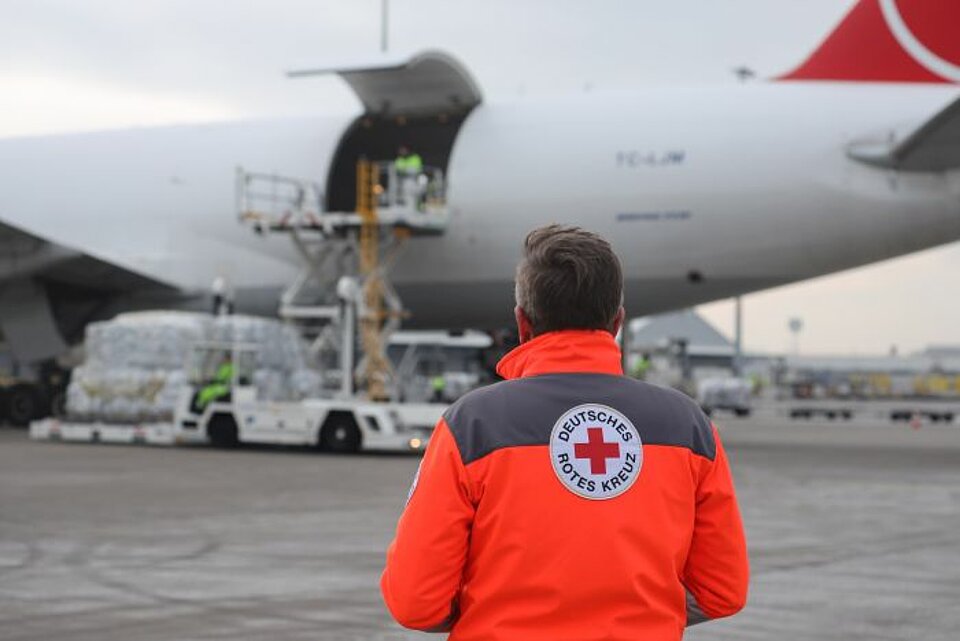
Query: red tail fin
[{"x": 890, "y": 41}]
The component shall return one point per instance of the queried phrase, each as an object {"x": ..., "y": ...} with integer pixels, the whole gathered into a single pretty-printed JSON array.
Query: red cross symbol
[{"x": 596, "y": 450}]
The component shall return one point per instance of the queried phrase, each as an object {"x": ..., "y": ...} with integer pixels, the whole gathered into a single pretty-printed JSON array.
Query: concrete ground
[{"x": 854, "y": 532}]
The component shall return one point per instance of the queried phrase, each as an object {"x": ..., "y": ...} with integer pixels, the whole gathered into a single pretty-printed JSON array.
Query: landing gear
[{"x": 20, "y": 404}]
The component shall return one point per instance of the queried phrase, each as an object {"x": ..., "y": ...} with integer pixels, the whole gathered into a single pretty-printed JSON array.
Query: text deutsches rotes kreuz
[{"x": 595, "y": 451}]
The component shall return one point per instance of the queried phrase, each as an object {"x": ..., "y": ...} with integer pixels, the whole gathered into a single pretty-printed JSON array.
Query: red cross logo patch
[{"x": 596, "y": 451}]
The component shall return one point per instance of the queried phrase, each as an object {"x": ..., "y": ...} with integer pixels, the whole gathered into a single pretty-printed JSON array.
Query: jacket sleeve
[
  {"x": 717, "y": 570},
  {"x": 424, "y": 570}
]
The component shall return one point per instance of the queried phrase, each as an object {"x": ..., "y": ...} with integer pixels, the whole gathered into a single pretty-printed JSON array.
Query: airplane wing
[
  {"x": 933, "y": 146},
  {"x": 24, "y": 255},
  {"x": 34, "y": 273}
]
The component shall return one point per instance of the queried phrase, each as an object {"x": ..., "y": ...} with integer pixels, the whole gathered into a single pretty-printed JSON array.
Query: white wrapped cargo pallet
[
  {"x": 269, "y": 384},
  {"x": 280, "y": 347},
  {"x": 305, "y": 383},
  {"x": 134, "y": 368},
  {"x": 151, "y": 340}
]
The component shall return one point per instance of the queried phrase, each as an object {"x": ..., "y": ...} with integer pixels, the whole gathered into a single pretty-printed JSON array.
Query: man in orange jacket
[{"x": 568, "y": 501}]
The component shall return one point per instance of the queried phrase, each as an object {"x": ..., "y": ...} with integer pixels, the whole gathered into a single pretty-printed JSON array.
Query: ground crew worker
[
  {"x": 407, "y": 163},
  {"x": 642, "y": 366},
  {"x": 568, "y": 501},
  {"x": 408, "y": 167},
  {"x": 439, "y": 386},
  {"x": 220, "y": 387},
  {"x": 222, "y": 297},
  {"x": 756, "y": 384}
]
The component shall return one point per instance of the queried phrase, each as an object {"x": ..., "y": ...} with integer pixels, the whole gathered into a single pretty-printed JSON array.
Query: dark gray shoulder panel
[{"x": 524, "y": 411}]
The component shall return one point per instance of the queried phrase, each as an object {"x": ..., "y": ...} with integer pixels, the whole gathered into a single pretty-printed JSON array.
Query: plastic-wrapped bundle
[
  {"x": 134, "y": 369},
  {"x": 279, "y": 346},
  {"x": 122, "y": 394},
  {"x": 134, "y": 366},
  {"x": 153, "y": 340},
  {"x": 305, "y": 383},
  {"x": 169, "y": 394},
  {"x": 119, "y": 409},
  {"x": 269, "y": 385},
  {"x": 254, "y": 331},
  {"x": 292, "y": 350},
  {"x": 79, "y": 404}
]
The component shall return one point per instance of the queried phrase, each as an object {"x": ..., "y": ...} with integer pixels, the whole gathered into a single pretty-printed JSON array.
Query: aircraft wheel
[
  {"x": 340, "y": 434},
  {"x": 20, "y": 405},
  {"x": 222, "y": 431}
]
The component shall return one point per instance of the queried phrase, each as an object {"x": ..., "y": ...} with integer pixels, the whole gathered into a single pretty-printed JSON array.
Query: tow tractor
[
  {"x": 343, "y": 305},
  {"x": 336, "y": 425}
]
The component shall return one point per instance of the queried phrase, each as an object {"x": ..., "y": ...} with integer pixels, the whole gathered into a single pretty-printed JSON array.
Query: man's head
[
  {"x": 568, "y": 278},
  {"x": 403, "y": 150}
]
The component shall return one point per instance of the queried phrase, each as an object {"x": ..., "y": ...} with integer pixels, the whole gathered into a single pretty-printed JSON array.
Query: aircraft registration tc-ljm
[{"x": 705, "y": 193}]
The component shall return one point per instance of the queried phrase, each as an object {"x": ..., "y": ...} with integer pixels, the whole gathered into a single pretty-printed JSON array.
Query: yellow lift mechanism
[{"x": 377, "y": 370}]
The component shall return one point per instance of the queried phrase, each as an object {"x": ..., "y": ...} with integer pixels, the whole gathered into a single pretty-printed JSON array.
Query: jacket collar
[{"x": 566, "y": 351}]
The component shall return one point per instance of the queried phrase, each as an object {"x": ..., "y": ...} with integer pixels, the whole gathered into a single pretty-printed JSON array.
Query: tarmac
[{"x": 853, "y": 528}]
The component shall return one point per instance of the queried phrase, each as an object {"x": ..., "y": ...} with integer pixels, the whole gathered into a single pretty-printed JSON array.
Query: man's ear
[
  {"x": 618, "y": 321},
  {"x": 524, "y": 325}
]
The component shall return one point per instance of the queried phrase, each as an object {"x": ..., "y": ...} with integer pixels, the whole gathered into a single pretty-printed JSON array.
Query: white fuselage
[{"x": 704, "y": 193}]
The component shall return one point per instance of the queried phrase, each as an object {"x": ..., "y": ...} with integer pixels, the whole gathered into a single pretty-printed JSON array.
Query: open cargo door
[
  {"x": 418, "y": 101},
  {"x": 425, "y": 83}
]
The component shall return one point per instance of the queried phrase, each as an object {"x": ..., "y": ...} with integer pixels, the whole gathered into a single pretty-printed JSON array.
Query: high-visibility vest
[
  {"x": 411, "y": 164},
  {"x": 224, "y": 373},
  {"x": 641, "y": 368}
]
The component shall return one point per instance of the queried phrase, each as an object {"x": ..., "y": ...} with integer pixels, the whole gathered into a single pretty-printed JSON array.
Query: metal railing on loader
[{"x": 344, "y": 283}]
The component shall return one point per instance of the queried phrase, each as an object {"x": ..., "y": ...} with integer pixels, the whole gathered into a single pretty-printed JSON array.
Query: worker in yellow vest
[
  {"x": 219, "y": 388},
  {"x": 408, "y": 163},
  {"x": 408, "y": 166},
  {"x": 439, "y": 386},
  {"x": 641, "y": 366}
]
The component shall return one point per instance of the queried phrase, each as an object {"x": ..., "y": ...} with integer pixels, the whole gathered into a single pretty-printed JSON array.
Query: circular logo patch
[{"x": 596, "y": 451}]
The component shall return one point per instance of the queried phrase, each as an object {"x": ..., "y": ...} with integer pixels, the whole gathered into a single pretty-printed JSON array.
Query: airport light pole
[
  {"x": 384, "y": 18},
  {"x": 737, "y": 335},
  {"x": 796, "y": 325}
]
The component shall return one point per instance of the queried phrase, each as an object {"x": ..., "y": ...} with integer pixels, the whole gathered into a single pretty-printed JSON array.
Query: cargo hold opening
[
  {"x": 419, "y": 100},
  {"x": 378, "y": 138}
]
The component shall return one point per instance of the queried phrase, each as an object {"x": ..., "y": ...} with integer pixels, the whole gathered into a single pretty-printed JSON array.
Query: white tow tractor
[{"x": 241, "y": 416}]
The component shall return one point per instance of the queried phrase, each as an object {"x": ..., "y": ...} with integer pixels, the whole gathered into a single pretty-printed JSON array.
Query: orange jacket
[{"x": 570, "y": 502}]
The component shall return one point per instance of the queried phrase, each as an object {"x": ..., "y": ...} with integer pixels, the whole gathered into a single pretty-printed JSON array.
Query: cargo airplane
[{"x": 706, "y": 192}]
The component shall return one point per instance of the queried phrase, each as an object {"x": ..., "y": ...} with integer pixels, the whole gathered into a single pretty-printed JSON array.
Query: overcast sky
[{"x": 69, "y": 65}]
